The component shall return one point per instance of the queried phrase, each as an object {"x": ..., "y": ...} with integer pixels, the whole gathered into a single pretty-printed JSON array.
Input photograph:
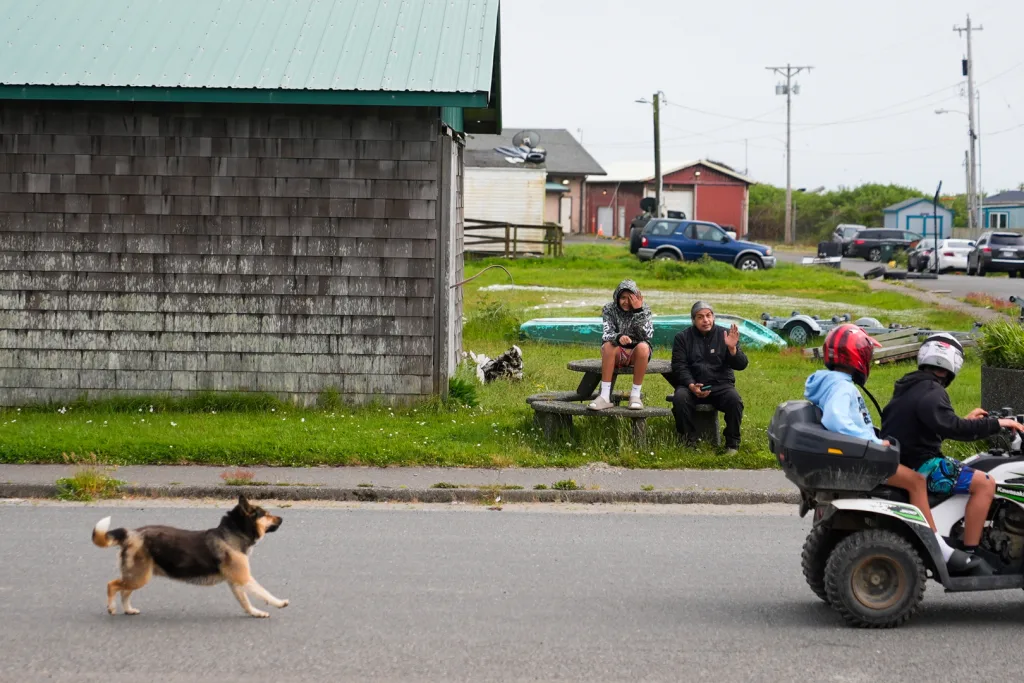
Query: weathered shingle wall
[{"x": 172, "y": 248}]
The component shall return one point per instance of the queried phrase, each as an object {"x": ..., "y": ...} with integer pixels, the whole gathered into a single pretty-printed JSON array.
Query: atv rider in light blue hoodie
[
  {"x": 842, "y": 407},
  {"x": 848, "y": 351}
]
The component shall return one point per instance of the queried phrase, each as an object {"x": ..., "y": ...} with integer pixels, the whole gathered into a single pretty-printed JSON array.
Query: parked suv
[
  {"x": 636, "y": 228},
  {"x": 844, "y": 234},
  {"x": 1001, "y": 252},
  {"x": 689, "y": 240},
  {"x": 867, "y": 244}
]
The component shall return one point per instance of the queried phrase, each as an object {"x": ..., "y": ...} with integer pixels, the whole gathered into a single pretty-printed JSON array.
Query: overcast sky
[{"x": 881, "y": 69}]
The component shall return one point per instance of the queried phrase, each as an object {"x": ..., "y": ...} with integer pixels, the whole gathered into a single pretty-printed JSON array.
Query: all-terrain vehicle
[{"x": 870, "y": 552}]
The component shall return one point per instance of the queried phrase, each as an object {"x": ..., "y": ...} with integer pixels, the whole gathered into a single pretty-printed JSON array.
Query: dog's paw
[
  {"x": 111, "y": 611},
  {"x": 131, "y": 612},
  {"x": 281, "y": 604},
  {"x": 259, "y": 614}
]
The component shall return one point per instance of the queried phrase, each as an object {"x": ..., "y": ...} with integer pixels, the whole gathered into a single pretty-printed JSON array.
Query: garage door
[{"x": 676, "y": 200}]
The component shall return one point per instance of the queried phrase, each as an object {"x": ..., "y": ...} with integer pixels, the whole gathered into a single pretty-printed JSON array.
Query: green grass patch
[
  {"x": 90, "y": 481},
  {"x": 496, "y": 315},
  {"x": 477, "y": 425},
  {"x": 499, "y": 432}
]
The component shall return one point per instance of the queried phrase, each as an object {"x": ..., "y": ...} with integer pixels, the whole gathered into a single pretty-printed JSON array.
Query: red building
[{"x": 701, "y": 190}]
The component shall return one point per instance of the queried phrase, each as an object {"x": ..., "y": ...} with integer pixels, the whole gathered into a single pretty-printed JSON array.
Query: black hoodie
[
  {"x": 704, "y": 358},
  {"x": 920, "y": 416}
]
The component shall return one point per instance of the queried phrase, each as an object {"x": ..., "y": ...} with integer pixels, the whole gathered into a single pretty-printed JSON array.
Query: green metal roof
[{"x": 316, "y": 51}]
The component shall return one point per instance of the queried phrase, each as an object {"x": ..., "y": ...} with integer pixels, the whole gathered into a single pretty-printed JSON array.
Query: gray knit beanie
[{"x": 700, "y": 306}]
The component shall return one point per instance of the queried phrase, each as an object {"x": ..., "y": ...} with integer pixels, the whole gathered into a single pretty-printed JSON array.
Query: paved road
[
  {"x": 958, "y": 284},
  {"x": 461, "y": 594}
]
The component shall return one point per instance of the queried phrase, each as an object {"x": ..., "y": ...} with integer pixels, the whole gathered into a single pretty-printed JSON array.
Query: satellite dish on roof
[{"x": 526, "y": 138}]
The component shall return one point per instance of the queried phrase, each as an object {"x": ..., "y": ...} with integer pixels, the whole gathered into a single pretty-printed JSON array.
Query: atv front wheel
[
  {"x": 875, "y": 579},
  {"x": 817, "y": 548}
]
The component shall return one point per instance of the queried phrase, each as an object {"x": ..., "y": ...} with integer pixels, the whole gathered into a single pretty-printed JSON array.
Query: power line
[
  {"x": 1005, "y": 130},
  {"x": 756, "y": 119},
  {"x": 865, "y": 117}
]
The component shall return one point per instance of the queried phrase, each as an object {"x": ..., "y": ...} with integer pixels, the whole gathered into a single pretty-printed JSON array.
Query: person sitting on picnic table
[
  {"x": 704, "y": 358},
  {"x": 628, "y": 328}
]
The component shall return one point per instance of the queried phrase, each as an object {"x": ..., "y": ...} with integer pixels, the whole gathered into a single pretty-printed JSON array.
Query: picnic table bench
[{"x": 553, "y": 410}]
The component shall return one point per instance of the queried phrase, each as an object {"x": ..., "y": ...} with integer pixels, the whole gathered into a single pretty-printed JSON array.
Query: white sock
[
  {"x": 636, "y": 391},
  {"x": 947, "y": 552},
  {"x": 606, "y": 391}
]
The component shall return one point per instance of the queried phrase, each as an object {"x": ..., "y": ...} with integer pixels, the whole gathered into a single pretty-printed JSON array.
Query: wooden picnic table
[{"x": 554, "y": 410}]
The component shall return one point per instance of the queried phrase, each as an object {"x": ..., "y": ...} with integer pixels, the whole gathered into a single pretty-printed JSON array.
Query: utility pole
[
  {"x": 657, "y": 151},
  {"x": 656, "y": 103},
  {"x": 968, "y": 70},
  {"x": 788, "y": 90},
  {"x": 970, "y": 190},
  {"x": 979, "y": 187}
]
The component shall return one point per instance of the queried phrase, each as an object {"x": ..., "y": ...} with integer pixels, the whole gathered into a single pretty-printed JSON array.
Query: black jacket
[
  {"x": 920, "y": 416},
  {"x": 701, "y": 359}
]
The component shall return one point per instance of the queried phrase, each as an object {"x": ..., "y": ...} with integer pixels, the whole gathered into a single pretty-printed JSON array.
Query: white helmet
[{"x": 943, "y": 351}]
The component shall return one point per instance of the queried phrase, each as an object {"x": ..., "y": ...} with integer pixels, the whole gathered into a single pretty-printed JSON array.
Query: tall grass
[{"x": 1002, "y": 345}]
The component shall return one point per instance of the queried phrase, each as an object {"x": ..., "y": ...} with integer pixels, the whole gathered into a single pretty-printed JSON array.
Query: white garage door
[{"x": 676, "y": 200}]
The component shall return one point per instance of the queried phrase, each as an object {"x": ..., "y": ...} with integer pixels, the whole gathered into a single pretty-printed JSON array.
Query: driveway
[{"x": 957, "y": 285}]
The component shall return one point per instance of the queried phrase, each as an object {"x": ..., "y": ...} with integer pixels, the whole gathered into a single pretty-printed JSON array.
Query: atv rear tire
[
  {"x": 875, "y": 579},
  {"x": 818, "y": 546}
]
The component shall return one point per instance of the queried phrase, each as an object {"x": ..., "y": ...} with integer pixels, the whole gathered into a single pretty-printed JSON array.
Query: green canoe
[{"x": 588, "y": 330}]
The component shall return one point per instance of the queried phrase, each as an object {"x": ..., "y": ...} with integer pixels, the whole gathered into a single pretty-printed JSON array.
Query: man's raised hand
[{"x": 732, "y": 338}]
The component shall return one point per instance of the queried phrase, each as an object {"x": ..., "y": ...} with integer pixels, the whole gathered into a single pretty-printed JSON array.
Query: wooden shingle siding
[{"x": 173, "y": 248}]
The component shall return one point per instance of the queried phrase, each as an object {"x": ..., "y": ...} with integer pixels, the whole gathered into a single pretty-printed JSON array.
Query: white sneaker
[
  {"x": 601, "y": 404},
  {"x": 635, "y": 404}
]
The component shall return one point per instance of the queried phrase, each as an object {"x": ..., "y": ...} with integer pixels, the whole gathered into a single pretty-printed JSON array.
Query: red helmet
[{"x": 850, "y": 347}]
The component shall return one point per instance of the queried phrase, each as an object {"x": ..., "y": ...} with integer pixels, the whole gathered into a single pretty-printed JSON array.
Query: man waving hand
[{"x": 704, "y": 358}]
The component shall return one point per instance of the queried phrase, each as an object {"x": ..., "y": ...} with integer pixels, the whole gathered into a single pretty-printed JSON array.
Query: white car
[{"x": 952, "y": 254}]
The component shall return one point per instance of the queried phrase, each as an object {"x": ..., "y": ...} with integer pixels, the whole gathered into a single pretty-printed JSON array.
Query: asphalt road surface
[
  {"x": 957, "y": 284},
  {"x": 467, "y": 594}
]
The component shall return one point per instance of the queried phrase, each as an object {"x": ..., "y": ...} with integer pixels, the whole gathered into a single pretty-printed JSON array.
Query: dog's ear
[{"x": 243, "y": 503}]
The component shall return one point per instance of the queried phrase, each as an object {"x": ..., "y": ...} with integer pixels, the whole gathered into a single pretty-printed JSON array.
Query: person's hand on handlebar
[
  {"x": 977, "y": 413},
  {"x": 1011, "y": 424}
]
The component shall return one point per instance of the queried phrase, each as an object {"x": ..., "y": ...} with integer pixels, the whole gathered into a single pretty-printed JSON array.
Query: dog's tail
[{"x": 104, "y": 537}]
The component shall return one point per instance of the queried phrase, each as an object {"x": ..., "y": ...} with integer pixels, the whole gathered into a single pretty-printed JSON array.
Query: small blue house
[
  {"x": 1004, "y": 211},
  {"x": 919, "y": 216}
]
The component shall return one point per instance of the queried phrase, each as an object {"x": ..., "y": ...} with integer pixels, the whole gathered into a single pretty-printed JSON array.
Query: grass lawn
[{"x": 498, "y": 429}]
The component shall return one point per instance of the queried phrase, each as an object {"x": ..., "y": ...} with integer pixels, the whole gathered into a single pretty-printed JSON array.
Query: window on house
[{"x": 998, "y": 220}]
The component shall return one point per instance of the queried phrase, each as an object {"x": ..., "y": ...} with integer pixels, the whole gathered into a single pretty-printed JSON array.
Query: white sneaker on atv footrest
[{"x": 963, "y": 564}]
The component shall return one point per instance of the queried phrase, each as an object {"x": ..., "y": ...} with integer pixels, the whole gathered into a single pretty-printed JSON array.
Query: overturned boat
[{"x": 588, "y": 331}]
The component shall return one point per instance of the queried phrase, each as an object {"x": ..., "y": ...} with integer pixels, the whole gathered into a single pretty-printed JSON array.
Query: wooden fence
[{"x": 511, "y": 240}]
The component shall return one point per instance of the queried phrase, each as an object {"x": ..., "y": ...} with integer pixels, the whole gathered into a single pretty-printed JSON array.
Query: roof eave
[{"x": 370, "y": 98}]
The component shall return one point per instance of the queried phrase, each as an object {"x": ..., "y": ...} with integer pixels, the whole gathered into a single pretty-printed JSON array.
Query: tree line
[{"x": 817, "y": 214}]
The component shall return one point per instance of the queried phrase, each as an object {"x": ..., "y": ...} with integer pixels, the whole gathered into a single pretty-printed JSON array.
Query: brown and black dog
[{"x": 204, "y": 558}]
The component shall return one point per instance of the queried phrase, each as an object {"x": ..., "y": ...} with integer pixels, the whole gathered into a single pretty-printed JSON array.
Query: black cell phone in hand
[{"x": 705, "y": 387}]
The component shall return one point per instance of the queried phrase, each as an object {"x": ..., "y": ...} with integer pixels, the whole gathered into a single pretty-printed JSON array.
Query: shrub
[
  {"x": 1002, "y": 345},
  {"x": 463, "y": 392}
]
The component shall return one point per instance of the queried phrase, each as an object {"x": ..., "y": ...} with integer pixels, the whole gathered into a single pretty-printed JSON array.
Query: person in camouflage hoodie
[{"x": 628, "y": 329}]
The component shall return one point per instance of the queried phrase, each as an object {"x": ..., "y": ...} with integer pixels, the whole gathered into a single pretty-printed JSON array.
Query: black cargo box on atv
[{"x": 816, "y": 459}]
